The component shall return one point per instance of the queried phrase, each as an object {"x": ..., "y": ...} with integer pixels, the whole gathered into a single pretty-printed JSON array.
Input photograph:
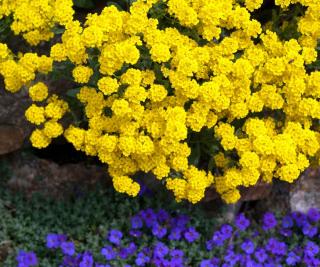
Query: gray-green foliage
[{"x": 85, "y": 218}]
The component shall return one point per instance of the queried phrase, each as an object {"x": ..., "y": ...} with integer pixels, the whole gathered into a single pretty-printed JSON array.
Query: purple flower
[
  {"x": 287, "y": 222},
  {"x": 52, "y": 241},
  {"x": 26, "y": 259},
  {"x": 175, "y": 233},
  {"x": 231, "y": 257},
  {"x": 311, "y": 249},
  {"x": 300, "y": 218},
  {"x": 276, "y": 247},
  {"x": 218, "y": 239},
  {"x": 181, "y": 221},
  {"x": 248, "y": 246},
  {"x": 313, "y": 215},
  {"x": 163, "y": 216},
  {"x": 160, "y": 250},
  {"x": 136, "y": 222},
  {"x": 286, "y": 232},
  {"x": 135, "y": 233},
  {"x": 70, "y": 260},
  {"x": 132, "y": 248},
  {"x": 125, "y": 252},
  {"x": 209, "y": 244},
  {"x": 242, "y": 222},
  {"x": 55, "y": 240},
  {"x": 158, "y": 230},
  {"x": 261, "y": 255},
  {"x": 191, "y": 235},
  {"x": 87, "y": 260},
  {"x": 226, "y": 231},
  {"x": 176, "y": 254},
  {"x": 292, "y": 259},
  {"x": 309, "y": 230},
  {"x": 206, "y": 263},
  {"x": 142, "y": 259},
  {"x": 109, "y": 253},
  {"x": 67, "y": 248},
  {"x": 269, "y": 221},
  {"x": 115, "y": 236},
  {"x": 149, "y": 217}
]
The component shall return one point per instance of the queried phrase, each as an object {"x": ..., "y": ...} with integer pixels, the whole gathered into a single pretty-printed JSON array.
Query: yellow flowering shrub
[{"x": 198, "y": 93}]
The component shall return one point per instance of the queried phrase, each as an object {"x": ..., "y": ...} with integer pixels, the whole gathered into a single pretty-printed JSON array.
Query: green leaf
[
  {"x": 73, "y": 92},
  {"x": 194, "y": 158},
  {"x": 84, "y": 3}
]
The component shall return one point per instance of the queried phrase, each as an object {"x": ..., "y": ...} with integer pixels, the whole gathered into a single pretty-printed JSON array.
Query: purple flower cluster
[
  {"x": 27, "y": 259},
  {"x": 289, "y": 242},
  {"x": 156, "y": 238},
  {"x": 161, "y": 225}
]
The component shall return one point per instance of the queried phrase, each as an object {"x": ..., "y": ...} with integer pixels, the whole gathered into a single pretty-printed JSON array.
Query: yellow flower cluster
[
  {"x": 18, "y": 72},
  {"x": 34, "y": 20},
  {"x": 248, "y": 86},
  {"x": 45, "y": 116}
]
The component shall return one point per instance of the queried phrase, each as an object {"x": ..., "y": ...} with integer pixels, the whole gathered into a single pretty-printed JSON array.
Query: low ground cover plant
[{"x": 158, "y": 238}]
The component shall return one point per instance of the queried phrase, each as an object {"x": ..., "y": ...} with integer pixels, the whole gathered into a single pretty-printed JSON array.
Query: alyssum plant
[{"x": 199, "y": 93}]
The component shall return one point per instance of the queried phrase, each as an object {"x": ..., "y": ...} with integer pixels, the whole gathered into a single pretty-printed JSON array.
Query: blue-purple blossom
[
  {"x": 136, "y": 222},
  {"x": 176, "y": 253},
  {"x": 206, "y": 263},
  {"x": 191, "y": 235},
  {"x": 159, "y": 230},
  {"x": 181, "y": 221},
  {"x": 115, "y": 236},
  {"x": 142, "y": 259},
  {"x": 261, "y": 255},
  {"x": 217, "y": 239},
  {"x": 52, "y": 241},
  {"x": 287, "y": 222},
  {"x": 309, "y": 230},
  {"x": 242, "y": 222},
  {"x": 160, "y": 250},
  {"x": 125, "y": 252},
  {"x": 313, "y": 215},
  {"x": 248, "y": 246},
  {"x": 149, "y": 217},
  {"x": 87, "y": 260},
  {"x": 67, "y": 248},
  {"x": 300, "y": 218},
  {"x": 226, "y": 231},
  {"x": 109, "y": 252},
  {"x": 311, "y": 249},
  {"x": 293, "y": 259},
  {"x": 276, "y": 247},
  {"x": 269, "y": 221},
  {"x": 175, "y": 233},
  {"x": 163, "y": 216},
  {"x": 27, "y": 259},
  {"x": 135, "y": 233},
  {"x": 285, "y": 232}
]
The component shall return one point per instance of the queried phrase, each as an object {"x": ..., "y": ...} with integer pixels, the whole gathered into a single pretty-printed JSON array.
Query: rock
[
  {"x": 259, "y": 191},
  {"x": 35, "y": 175},
  {"x": 12, "y": 109},
  {"x": 14, "y": 128},
  {"x": 11, "y": 139},
  {"x": 305, "y": 192}
]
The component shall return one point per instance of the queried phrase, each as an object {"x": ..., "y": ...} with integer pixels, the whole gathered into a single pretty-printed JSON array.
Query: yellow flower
[
  {"x": 38, "y": 92},
  {"x": 39, "y": 139},
  {"x": 35, "y": 114},
  {"x": 82, "y": 74}
]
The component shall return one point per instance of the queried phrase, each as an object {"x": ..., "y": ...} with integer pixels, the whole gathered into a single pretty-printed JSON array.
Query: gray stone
[{"x": 305, "y": 192}]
